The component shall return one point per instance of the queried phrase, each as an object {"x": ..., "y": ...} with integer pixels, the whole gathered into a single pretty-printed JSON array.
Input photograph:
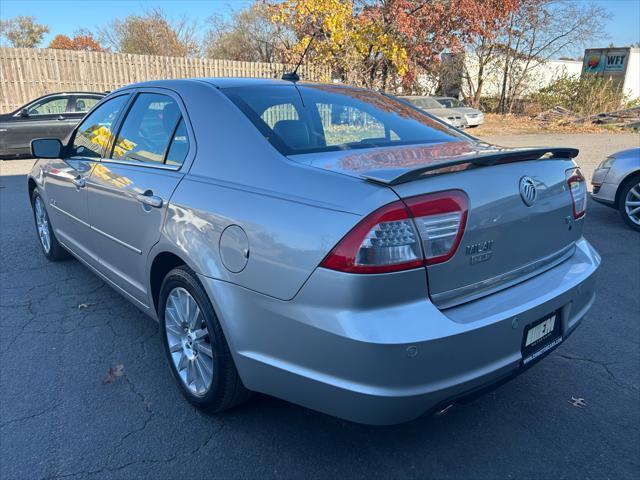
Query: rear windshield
[{"x": 319, "y": 118}]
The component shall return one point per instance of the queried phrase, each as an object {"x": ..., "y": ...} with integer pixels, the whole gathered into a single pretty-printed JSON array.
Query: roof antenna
[{"x": 293, "y": 76}]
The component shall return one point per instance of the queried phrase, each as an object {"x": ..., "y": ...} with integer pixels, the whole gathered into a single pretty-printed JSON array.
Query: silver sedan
[
  {"x": 616, "y": 183},
  {"x": 331, "y": 246}
]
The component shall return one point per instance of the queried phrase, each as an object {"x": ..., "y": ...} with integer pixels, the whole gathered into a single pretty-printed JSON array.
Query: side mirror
[
  {"x": 24, "y": 112},
  {"x": 46, "y": 148}
]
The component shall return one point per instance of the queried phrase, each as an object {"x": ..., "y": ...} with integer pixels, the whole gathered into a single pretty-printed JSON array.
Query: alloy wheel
[
  {"x": 632, "y": 204},
  {"x": 42, "y": 224},
  {"x": 189, "y": 341}
]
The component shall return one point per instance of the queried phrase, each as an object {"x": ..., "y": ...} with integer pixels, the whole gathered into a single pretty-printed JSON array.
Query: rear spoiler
[{"x": 395, "y": 176}]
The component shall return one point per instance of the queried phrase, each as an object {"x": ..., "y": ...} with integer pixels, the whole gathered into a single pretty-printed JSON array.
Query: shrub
[{"x": 587, "y": 95}]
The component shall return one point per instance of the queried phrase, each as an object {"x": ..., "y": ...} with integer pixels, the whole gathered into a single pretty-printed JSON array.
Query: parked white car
[
  {"x": 472, "y": 116},
  {"x": 430, "y": 105}
]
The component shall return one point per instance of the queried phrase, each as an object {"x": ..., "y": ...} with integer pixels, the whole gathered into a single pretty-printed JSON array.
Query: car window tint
[
  {"x": 95, "y": 131},
  {"x": 317, "y": 118},
  {"x": 147, "y": 129},
  {"x": 276, "y": 113},
  {"x": 345, "y": 124},
  {"x": 179, "y": 145},
  {"x": 84, "y": 104},
  {"x": 50, "y": 106}
]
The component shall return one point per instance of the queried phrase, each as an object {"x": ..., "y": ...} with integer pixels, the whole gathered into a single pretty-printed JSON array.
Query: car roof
[
  {"x": 101, "y": 94},
  {"x": 227, "y": 82}
]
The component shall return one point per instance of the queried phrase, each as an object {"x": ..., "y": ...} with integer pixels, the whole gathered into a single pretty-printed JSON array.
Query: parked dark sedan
[{"x": 52, "y": 115}]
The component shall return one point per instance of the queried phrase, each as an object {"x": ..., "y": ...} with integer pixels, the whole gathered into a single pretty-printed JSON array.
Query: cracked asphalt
[{"x": 58, "y": 419}]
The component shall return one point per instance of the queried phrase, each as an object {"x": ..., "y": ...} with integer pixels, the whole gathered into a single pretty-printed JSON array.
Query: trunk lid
[{"x": 505, "y": 240}]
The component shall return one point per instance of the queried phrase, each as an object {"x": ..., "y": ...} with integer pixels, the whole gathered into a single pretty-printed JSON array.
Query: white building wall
[
  {"x": 539, "y": 76},
  {"x": 631, "y": 84}
]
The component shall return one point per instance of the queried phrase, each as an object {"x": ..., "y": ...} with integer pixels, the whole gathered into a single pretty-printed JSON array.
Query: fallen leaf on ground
[
  {"x": 113, "y": 374},
  {"x": 578, "y": 402}
]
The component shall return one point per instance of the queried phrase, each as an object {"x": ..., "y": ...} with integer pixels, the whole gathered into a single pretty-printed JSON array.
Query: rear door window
[
  {"x": 84, "y": 104},
  {"x": 96, "y": 131},
  {"x": 147, "y": 130},
  {"x": 179, "y": 145}
]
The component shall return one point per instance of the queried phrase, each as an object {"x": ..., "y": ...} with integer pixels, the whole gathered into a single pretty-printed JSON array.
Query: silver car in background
[
  {"x": 328, "y": 245},
  {"x": 616, "y": 183},
  {"x": 430, "y": 105},
  {"x": 472, "y": 116}
]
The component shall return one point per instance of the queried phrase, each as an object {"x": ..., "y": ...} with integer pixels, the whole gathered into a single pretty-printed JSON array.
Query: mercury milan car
[
  {"x": 52, "y": 115},
  {"x": 616, "y": 183},
  {"x": 430, "y": 105},
  {"x": 472, "y": 116},
  {"x": 374, "y": 264}
]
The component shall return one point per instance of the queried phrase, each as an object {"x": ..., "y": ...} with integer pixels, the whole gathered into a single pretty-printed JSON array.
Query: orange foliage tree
[
  {"x": 80, "y": 41},
  {"x": 387, "y": 42}
]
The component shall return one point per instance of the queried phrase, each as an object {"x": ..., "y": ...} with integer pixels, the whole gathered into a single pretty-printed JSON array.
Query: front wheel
[
  {"x": 48, "y": 241},
  {"x": 196, "y": 348},
  {"x": 629, "y": 202}
]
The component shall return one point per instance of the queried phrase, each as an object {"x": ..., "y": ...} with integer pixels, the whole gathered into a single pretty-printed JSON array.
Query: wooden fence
[{"x": 27, "y": 73}]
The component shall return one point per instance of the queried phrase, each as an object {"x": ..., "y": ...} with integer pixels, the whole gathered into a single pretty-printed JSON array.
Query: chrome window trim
[{"x": 158, "y": 166}]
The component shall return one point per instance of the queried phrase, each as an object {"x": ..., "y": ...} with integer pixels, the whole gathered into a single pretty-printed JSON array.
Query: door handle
[
  {"x": 60, "y": 117},
  {"x": 148, "y": 198},
  {"x": 80, "y": 181}
]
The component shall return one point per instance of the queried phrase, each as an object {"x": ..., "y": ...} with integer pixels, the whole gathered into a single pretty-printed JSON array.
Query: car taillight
[
  {"x": 578, "y": 189},
  {"x": 440, "y": 218},
  {"x": 402, "y": 235}
]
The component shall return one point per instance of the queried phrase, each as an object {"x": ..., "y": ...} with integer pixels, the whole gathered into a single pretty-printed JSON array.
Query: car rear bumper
[{"x": 369, "y": 350}]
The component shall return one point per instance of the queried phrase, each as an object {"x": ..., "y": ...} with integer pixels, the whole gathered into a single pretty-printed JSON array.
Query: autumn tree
[
  {"x": 82, "y": 40},
  {"x": 429, "y": 28},
  {"x": 249, "y": 35},
  {"x": 22, "y": 32},
  {"x": 531, "y": 34},
  {"x": 379, "y": 42},
  {"x": 354, "y": 44},
  {"x": 151, "y": 34},
  {"x": 537, "y": 31}
]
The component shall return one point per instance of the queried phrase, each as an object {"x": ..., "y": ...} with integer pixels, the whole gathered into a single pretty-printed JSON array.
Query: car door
[
  {"x": 130, "y": 188},
  {"x": 66, "y": 178},
  {"x": 45, "y": 118}
]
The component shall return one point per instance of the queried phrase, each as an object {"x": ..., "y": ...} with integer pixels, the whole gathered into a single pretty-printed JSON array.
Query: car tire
[
  {"x": 632, "y": 183},
  {"x": 48, "y": 241},
  {"x": 188, "y": 349}
]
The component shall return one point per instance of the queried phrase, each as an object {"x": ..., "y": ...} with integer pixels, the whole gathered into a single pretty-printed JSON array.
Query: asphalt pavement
[{"x": 85, "y": 391}]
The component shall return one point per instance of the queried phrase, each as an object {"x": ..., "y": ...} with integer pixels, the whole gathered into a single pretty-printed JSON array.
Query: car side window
[
  {"x": 179, "y": 145},
  {"x": 95, "y": 131},
  {"x": 84, "y": 104},
  {"x": 49, "y": 106},
  {"x": 147, "y": 129}
]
